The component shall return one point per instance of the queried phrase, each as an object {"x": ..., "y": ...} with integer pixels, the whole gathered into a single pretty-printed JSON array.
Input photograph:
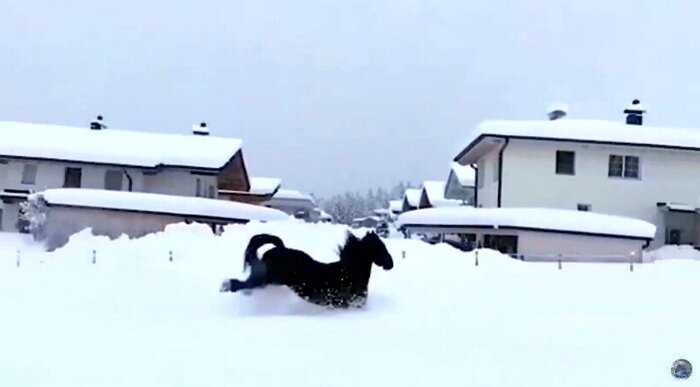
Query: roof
[
  {"x": 264, "y": 185},
  {"x": 290, "y": 194},
  {"x": 115, "y": 147},
  {"x": 412, "y": 196},
  {"x": 591, "y": 131},
  {"x": 434, "y": 192},
  {"x": 464, "y": 174},
  {"x": 395, "y": 205},
  {"x": 535, "y": 219},
  {"x": 158, "y": 203}
]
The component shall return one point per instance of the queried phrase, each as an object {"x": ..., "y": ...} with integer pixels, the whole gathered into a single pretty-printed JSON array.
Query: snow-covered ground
[{"x": 133, "y": 318}]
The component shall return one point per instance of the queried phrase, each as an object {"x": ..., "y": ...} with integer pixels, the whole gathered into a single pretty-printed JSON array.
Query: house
[
  {"x": 535, "y": 234},
  {"x": 460, "y": 184},
  {"x": 433, "y": 195},
  {"x": 56, "y": 214},
  {"x": 367, "y": 222},
  {"x": 396, "y": 207},
  {"x": 411, "y": 199},
  {"x": 37, "y": 157},
  {"x": 618, "y": 168},
  {"x": 295, "y": 203},
  {"x": 261, "y": 190}
]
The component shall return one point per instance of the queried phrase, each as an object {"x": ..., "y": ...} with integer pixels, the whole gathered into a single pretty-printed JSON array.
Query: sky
[{"x": 334, "y": 96}]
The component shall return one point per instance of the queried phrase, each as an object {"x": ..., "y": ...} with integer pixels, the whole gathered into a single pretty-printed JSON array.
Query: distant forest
[{"x": 350, "y": 205}]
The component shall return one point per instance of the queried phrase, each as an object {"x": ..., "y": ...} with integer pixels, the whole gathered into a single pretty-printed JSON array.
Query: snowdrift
[{"x": 136, "y": 318}]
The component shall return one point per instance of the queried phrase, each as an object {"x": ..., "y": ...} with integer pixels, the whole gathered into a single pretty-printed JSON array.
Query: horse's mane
[{"x": 350, "y": 247}]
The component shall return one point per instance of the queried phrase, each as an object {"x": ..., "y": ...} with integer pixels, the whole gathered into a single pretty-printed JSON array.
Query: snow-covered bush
[{"x": 32, "y": 216}]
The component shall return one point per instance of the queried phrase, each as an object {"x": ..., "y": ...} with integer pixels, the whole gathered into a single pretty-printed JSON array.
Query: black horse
[{"x": 340, "y": 284}]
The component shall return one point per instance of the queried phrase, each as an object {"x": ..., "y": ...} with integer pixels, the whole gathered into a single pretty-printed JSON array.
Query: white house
[
  {"x": 618, "y": 168},
  {"x": 411, "y": 199},
  {"x": 36, "y": 157},
  {"x": 460, "y": 184},
  {"x": 433, "y": 195}
]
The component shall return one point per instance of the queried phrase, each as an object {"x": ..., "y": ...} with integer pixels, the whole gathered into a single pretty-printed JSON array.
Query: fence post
[
  {"x": 476, "y": 258},
  {"x": 94, "y": 257},
  {"x": 559, "y": 261},
  {"x": 170, "y": 254},
  {"x": 403, "y": 254},
  {"x": 18, "y": 258}
]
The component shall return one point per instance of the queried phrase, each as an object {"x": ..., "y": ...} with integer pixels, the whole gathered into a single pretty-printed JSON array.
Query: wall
[
  {"x": 487, "y": 183},
  {"x": 179, "y": 182},
  {"x": 529, "y": 180},
  {"x": 50, "y": 174},
  {"x": 547, "y": 246}
]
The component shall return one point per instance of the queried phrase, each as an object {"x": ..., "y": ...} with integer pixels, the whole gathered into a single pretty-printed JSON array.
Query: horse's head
[{"x": 375, "y": 248}]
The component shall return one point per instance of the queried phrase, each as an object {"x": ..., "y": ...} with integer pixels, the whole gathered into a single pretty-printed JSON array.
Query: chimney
[
  {"x": 98, "y": 124},
  {"x": 557, "y": 111},
  {"x": 634, "y": 113},
  {"x": 201, "y": 129}
]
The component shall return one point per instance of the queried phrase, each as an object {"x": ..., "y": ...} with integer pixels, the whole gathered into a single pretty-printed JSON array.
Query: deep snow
[{"x": 134, "y": 318}]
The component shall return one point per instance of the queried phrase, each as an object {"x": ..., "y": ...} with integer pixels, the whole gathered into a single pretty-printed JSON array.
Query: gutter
[
  {"x": 500, "y": 172},
  {"x": 476, "y": 185}
]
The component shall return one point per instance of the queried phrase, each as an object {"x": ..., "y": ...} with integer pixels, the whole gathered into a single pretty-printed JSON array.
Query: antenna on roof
[
  {"x": 200, "y": 130},
  {"x": 98, "y": 124}
]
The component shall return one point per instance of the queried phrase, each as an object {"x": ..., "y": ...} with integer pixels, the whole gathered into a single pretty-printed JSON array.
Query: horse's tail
[{"x": 256, "y": 242}]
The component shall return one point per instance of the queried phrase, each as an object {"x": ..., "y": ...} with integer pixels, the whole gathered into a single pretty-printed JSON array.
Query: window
[
  {"x": 1, "y": 219},
  {"x": 29, "y": 174},
  {"x": 199, "y": 187},
  {"x": 72, "y": 178},
  {"x": 506, "y": 244},
  {"x": 623, "y": 166},
  {"x": 565, "y": 163},
  {"x": 583, "y": 207},
  {"x": 673, "y": 237},
  {"x": 113, "y": 180},
  {"x": 632, "y": 167},
  {"x": 212, "y": 192}
]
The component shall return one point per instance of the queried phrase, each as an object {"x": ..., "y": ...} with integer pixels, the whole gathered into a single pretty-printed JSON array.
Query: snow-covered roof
[
  {"x": 264, "y": 185},
  {"x": 679, "y": 207},
  {"x": 111, "y": 146},
  {"x": 412, "y": 196},
  {"x": 464, "y": 174},
  {"x": 290, "y": 194},
  {"x": 587, "y": 131},
  {"x": 395, "y": 205},
  {"x": 544, "y": 219},
  {"x": 435, "y": 193},
  {"x": 325, "y": 216},
  {"x": 382, "y": 211},
  {"x": 158, "y": 203}
]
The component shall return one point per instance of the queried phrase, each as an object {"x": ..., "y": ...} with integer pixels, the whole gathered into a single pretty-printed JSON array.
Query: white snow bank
[
  {"x": 264, "y": 185},
  {"x": 532, "y": 218},
  {"x": 135, "y": 318},
  {"x": 111, "y": 146},
  {"x": 158, "y": 203},
  {"x": 672, "y": 252}
]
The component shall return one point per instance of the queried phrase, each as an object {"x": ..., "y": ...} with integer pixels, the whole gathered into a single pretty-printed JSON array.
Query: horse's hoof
[{"x": 225, "y": 286}]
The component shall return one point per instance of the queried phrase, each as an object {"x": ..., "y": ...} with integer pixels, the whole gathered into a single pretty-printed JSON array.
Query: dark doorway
[{"x": 72, "y": 178}]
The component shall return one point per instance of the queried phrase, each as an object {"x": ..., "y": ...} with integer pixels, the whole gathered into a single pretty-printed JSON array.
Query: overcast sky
[{"x": 345, "y": 95}]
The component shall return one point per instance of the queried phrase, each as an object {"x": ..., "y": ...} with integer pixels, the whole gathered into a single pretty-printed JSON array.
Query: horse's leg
[{"x": 256, "y": 279}]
